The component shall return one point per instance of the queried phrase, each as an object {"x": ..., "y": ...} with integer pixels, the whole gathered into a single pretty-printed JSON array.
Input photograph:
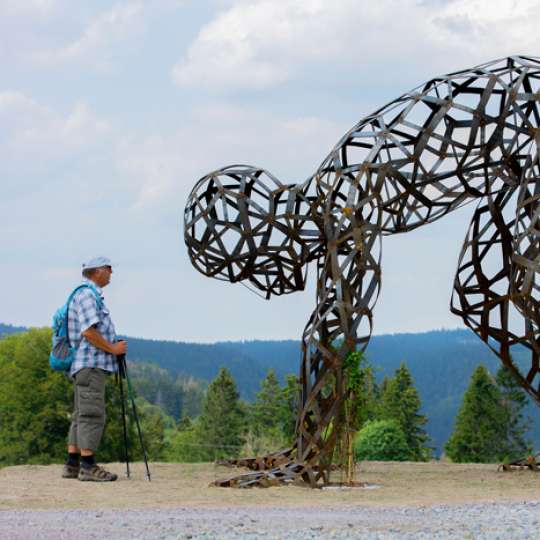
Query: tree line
[{"x": 185, "y": 420}]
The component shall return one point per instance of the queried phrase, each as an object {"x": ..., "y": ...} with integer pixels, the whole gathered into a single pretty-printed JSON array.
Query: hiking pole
[
  {"x": 122, "y": 362},
  {"x": 120, "y": 377}
]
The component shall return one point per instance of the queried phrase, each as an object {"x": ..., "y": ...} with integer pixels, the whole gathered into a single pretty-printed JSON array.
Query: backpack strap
[
  {"x": 70, "y": 298},
  {"x": 82, "y": 286}
]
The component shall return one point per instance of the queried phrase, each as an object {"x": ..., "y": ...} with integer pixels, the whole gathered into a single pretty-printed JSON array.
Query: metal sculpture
[{"x": 468, "y": 136}]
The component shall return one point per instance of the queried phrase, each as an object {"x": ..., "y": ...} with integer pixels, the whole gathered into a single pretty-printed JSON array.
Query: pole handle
[{"x": 121, "y": 360}]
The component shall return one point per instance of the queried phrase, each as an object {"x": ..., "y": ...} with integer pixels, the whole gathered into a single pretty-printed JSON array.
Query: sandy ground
[
  {"x": 406, "y": 501},
  {"x": 34, "y": 487}
]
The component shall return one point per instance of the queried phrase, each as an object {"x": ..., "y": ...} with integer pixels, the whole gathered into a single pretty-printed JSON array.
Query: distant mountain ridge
[
  {"x": 441, "y": 362},
  {"x": 6, "y": 329}
]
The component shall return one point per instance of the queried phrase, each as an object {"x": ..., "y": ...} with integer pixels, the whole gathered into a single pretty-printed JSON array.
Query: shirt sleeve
[{"x": 87, "y": 309}]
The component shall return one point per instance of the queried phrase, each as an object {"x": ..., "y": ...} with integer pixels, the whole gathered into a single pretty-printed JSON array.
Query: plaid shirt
[{"x": 83, "y": 313}]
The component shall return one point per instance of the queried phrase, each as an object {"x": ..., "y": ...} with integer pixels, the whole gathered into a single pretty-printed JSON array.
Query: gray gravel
[{"x": 487, "y": 520}]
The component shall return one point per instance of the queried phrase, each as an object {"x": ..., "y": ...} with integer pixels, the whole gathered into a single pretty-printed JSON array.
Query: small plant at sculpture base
[{"x": 358, "y": 408}]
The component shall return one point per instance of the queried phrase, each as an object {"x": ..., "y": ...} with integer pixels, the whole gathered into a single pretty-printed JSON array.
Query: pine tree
[
  {"x": 359, "y": 406},
  {"x": 184, "y": 423},
  {"x": 272, "y": 416},
  {"x": 400, "y": 402},
  {"x": 291, "y": 402},
  {"x": 479, "y": 429},
  {"x": 369, "y": 395},
  {"x": 514, "y": 423},
  {"x": 267, "y": 409},
  {"x": 221, "y": 426},
  {"x": 363, "y": 394}
]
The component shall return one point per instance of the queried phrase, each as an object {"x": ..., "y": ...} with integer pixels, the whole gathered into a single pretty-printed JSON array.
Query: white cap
[{"x": 97, "y": 262}]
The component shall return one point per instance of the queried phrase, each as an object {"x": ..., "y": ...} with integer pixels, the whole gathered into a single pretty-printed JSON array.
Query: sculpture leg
[
  {"x": 348, "y": 285},
  {"x": 484, "y": 297},
  {"x": 526, "y": 253}
]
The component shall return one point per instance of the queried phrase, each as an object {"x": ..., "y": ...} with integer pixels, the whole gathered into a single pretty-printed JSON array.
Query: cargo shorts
[{"x": 88, "y": 419}]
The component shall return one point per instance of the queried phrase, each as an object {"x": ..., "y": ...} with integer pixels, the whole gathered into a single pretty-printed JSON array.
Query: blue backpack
[{"x": 62, "y": 353}]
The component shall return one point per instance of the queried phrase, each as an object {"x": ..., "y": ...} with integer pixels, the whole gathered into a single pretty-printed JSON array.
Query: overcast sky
[{"x": 110, "y": 112}]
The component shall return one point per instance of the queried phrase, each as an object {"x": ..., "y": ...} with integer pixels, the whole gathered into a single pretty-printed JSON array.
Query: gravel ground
[{"x": 510, "y": 520}]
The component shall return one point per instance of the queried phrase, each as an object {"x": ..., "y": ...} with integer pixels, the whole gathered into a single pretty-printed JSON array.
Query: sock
[
  {"x": 87, "y": 461},
  {"x": 73, "y": 459}
]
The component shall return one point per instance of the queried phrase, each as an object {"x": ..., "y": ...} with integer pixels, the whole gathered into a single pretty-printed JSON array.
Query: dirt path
[
  {"x": 414, "y": 500},
  {"x": 186, "y": 485}
]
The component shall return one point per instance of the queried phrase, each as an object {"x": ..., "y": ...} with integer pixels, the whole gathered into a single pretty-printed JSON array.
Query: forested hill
[
  {"x": 6, "y": 329},
  {"x": 440, "y": 361}
]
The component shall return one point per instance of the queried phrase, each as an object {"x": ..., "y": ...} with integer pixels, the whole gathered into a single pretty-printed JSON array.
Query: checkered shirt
[{"x": 83, "y": 313}]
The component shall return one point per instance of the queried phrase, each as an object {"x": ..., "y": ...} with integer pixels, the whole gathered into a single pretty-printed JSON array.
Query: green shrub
[
  {"x": 381, "y": 440},
  {"x": 183, "y": 446}
]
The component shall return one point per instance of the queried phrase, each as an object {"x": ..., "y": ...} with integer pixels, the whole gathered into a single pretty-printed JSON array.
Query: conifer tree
[
  {"x": 514, "y": 423},
  {"x": 291, "y": 402},
  {"x": 479, "y": 430},
  {"x": 401, "y": 402},
  {"x": 359, "y": 406},
  {"x": 221, "y": 426},
  {"x": 383, "y": 388},
  {"x": 184, "y": 423},
  {"x": 370, "y": 395},
  {"x": 363, "y": 392},
  {"x": 268, "y": 408},
  {"x": 272, "y": 416}
]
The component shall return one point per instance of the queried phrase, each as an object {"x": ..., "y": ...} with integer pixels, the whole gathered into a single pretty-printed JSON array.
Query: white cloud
[
  {"x": 109, "y": 27},
  {"x": 488, "y": 27},
  {"x": 257, "y": 44},
  {"x": 154, "y": 162},
  {"x": 104, "y": 32},
  {"x": 165, "y": 168},
  {"x": 245, "y": 46},
  {"x": 15, "y": 101},
  {"x": 27, "y": 7},
  {"x": 121, "y": 182},
  {"x": 32, "y": 127}
]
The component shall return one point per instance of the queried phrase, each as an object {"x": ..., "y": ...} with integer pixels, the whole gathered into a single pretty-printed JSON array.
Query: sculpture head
[{"x": 240, "y": 223}]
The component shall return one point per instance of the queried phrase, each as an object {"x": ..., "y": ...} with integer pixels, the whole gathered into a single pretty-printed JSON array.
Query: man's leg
[
  {"x": 71, "y": 467},
  {"x": 91, "y": 421}
]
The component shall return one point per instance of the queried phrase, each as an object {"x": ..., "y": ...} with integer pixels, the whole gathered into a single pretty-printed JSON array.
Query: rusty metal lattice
[
  {"x": 468, "y": 136},
  {"x": 532, "y": 463}
]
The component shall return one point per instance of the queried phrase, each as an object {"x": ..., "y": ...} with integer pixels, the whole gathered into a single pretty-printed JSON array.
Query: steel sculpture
[{"x": 468, "y": 136}]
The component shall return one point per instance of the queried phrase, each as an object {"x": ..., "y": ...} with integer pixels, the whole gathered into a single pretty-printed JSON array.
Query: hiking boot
[
  {"x": 95, "y": 473},
  {"x": 70, "y": 471}
]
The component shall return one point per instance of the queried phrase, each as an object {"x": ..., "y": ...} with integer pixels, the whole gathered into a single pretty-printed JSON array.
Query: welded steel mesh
[{"x": 468, "y": 136}]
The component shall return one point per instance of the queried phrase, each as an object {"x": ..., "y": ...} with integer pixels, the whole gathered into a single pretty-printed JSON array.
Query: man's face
[{"x": 102, "y": 276}]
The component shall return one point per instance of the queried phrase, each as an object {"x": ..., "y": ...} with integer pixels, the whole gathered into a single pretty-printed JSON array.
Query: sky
[{"x": 111, "y": 111}]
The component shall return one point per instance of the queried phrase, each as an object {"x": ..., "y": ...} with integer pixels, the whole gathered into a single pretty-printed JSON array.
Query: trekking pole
[
  {"x": 121, "y": 376},
  {"x": 123, "y": 363}
]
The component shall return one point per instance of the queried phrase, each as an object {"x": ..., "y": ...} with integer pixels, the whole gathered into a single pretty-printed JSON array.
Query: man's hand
[
  {"x": 98, "y": 341},
  {"x": 120, "y": 347}
]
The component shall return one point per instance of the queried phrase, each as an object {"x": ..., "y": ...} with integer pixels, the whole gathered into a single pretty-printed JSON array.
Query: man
[{"x": 92, "y": 335}]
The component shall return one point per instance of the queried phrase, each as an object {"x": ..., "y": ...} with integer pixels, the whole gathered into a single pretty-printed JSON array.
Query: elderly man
[{"x": 92, "y": 335}]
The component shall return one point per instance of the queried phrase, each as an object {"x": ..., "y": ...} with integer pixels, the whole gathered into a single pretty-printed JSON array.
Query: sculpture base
[
  {"x": 275, "y": 469},
  {"x": 530, "y": 462}
]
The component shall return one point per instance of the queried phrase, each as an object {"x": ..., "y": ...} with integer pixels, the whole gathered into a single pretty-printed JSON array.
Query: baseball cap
[{"x": 97, "y": 262}]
